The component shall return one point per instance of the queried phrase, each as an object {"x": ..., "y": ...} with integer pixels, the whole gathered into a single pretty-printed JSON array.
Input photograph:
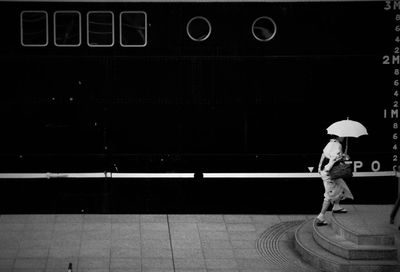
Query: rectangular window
[
  {"x": 67, "y": 28},
  {"x": 133, "y": 28},
  {"x": 100, "y": 28},
  {"x": 34, "y": 28}
]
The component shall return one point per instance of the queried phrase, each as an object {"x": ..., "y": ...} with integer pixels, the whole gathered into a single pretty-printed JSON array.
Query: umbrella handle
[{"x": 347, "y": 145}]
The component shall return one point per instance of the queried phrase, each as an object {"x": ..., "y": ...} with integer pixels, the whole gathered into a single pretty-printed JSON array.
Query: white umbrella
[{"x": 347, "y": 128}]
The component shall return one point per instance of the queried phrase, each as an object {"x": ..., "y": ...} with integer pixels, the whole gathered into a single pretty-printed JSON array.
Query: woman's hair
[{"x": 333, "y": 136}]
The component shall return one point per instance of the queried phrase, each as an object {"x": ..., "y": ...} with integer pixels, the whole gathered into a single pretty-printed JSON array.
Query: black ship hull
[{"x": 227, "y": 104}]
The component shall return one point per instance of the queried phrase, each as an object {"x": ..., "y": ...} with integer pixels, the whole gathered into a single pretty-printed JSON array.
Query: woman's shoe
[
  {"x": 341, "y": 210},
  {"x": 320, "y": 223}
]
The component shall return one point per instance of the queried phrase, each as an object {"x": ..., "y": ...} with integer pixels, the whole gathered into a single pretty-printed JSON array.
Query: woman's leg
[
  {"x": 336, "y": 205},
  {"x": 328, "y": 184},
  {"x": 337, "y": 208},
  {"x": 325, "y": 206}
]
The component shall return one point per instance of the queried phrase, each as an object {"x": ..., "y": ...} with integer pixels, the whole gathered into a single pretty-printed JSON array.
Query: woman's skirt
[{"x": 335, "y": 189}]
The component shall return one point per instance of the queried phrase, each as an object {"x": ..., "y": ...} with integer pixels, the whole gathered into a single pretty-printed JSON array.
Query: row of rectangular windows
[{"x": 67, "y": 28}]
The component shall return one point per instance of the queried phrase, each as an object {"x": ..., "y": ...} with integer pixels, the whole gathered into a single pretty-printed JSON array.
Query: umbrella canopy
[{"x": 347, "y": 128}]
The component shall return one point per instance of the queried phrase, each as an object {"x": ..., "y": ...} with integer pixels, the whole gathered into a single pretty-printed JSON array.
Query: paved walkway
[{"x": 157, "y": 243}]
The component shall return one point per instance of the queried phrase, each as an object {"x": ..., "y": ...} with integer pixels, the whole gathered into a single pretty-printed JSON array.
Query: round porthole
[
  {"x": 198, "y": 29},
  {"x": 263, "y": 29}
]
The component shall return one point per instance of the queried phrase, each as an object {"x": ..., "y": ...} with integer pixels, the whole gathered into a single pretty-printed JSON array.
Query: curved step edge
[
  {"x": 323, "y": 260},
  {"x": 328, "y": 239},
  {"x": 304, "y": 241}
]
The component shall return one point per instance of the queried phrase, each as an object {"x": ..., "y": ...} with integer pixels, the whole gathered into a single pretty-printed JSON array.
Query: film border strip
[{"x": 393, "y": 59}]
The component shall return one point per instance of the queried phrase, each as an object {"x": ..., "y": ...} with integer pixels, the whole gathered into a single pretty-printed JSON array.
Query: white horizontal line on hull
[
  {"x": 152, "y": 175},
  {"x": 183, "y": 175},
  {"x": 293, "y": 175}
]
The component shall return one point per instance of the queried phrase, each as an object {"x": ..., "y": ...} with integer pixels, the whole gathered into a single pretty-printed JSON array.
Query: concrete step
[
  {"x": 328, "y": 239},
  {"x": 355, "y": 230},
  {"x": 396, "y": 219},
  {"x": 324, "y": 260}
]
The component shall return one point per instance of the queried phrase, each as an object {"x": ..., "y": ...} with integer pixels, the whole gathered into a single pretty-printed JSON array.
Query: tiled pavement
[{"x": 122, "y": 243}]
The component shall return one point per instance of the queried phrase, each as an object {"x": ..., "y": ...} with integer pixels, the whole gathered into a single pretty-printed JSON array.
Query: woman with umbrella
[{"x": 336, "y": 189}]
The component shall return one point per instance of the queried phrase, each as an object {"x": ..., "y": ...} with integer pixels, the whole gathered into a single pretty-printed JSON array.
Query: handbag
[{"x": 341, "y": 170}]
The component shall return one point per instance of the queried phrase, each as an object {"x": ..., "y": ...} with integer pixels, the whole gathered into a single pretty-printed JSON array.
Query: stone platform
[{"x": 360, "y": 240}]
